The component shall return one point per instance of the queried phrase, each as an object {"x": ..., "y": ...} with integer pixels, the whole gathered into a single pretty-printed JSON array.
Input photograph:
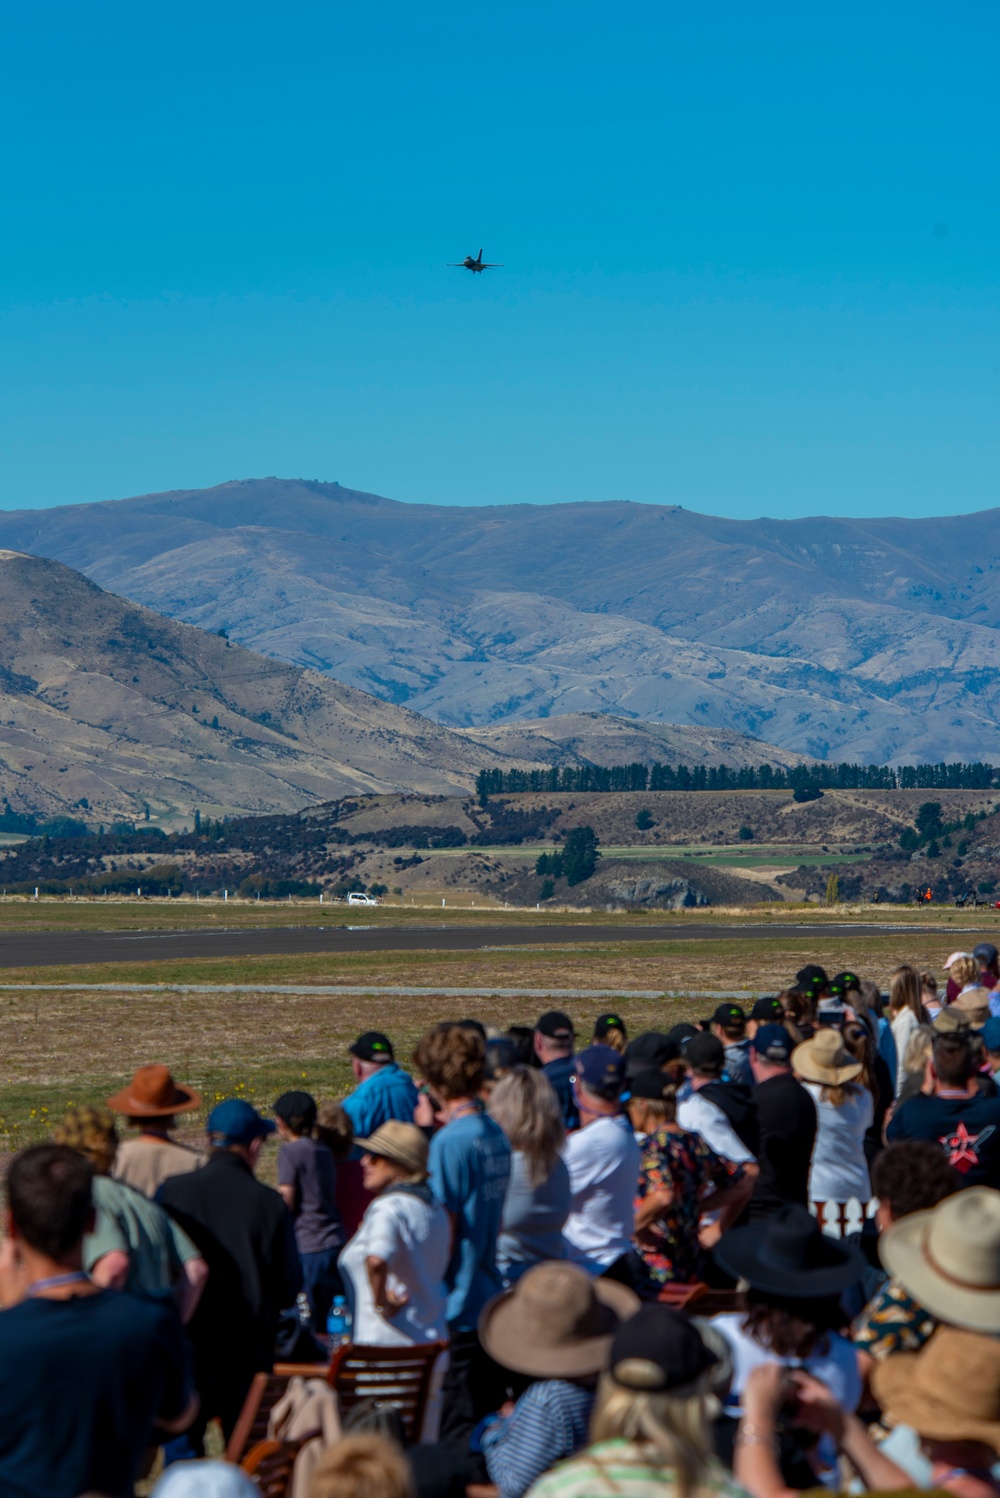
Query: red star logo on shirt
[{"x": 963, "y": 1148}]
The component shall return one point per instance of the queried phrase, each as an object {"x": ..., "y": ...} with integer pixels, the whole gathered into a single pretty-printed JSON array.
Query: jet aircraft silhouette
[{"x": 477, "y": 266}]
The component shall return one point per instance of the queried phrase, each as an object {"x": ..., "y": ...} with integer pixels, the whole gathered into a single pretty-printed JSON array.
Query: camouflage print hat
[{"x": 91, "y": 1130}]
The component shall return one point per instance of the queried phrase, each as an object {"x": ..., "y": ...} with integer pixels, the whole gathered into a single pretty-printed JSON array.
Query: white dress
[{"x": 412, "y": 1234}]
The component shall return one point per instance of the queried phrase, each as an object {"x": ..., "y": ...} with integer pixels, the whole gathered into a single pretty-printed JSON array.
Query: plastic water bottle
[{"x": 338, "y": 1323}]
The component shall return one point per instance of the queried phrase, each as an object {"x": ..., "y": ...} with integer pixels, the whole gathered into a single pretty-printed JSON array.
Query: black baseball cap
[
  {"x": 608, "y": 1022},
  {"x": 372, "y": 1046},
  {"x": 811, "y": 979},
  {"x": 773, "y": 1043},
  {"x": 768, "y": 1011},
  {"x": 704, "y": 1051},
  {"x": 649, "y": 1051},
  {"x": 729, "y": 1016},
  {"x": 556, "y": 1025},
  {"x": 662, "y": 1350},
  {"x": 297, "y": 1105},
  {"x": 845, "y": 983},
  {"x": 651, "y": 1084}
]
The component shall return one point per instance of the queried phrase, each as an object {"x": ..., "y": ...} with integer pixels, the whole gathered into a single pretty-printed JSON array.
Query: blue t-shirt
[
  {"x": 560, "y": 1074},
  {"x": 81, "y": 1382},
  {"x": 387, "y": 1093},
  {"x": 469, "y": 1169}
]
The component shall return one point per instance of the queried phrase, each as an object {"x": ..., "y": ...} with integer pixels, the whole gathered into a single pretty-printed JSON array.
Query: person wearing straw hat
[
  {"x": 151, "y": 1102},
  {"x": 844, "y": 1113}
]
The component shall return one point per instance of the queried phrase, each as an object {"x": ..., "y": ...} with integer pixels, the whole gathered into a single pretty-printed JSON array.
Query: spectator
[
  {"x": 538, "y": 1196},
  {"x": 335, "y": 1130},
  {"x": 85, "y": 1373},
  {"x": 813, "y": 982},
  {"x": 501, "y": 1058},
  {"x": 948, "y": 1259},
  {"x": 764, "y": 1012},
  {"x": 307, "y": 1182},
  {"x": 991, "y": 1043},
  {"x": 134, "y": 1245},
  {"x": 800, "y": 1014},
  {"x": 680, "y": 1179},
  {"x": 952, "y": 985},
  {"x": 916, "y": 1056},
  {"x": 707, "y": 1111},
  {"x": 554, "y": 1036},
  {"x": 650, "y": 1431},
  {"x": 795, "y": 1275},
  {"x": 469, "y": 1169},
  {"x": 384, "y": 1090},
  {"x": 956, "y": 1115},
  {"x": 786, "y": 1118},
  {"x": 394, "y": 1266},
  {"x": 911, "y": 1176},
  {"x": 870, "y": 998},
  {"x": 361, "y": 1466},
  {"x": 523, "y": 1037},
  {"x": 989, "y": 968},
  {"x": 244, "y": 1232},
  {"x": 610, "y": 1030},
  {"x": 844, "y": 1111},
  {"x": 929, "y": 995},
  {"x": 973, "y": 998},
  {"x": 603, "y": 1161},
  {"x": 555, "y": 1327},
  {"x": 151, "y": 1103},
  {"x": 905, "y": 1012},
  {"x": 205, "y": 1479},
  {"x": 729, "y": 1023},
  {"x": 859, "y": 1042},
  {"x": 653, "y": 1050}
]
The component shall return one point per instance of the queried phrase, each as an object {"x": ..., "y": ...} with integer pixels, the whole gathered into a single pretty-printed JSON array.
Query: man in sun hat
[
  {"x": 151, "y": 1102},
  {"x": 957, "y": 1115},
  {"x": 245, "y": 1234},
  {"x": 603, "y": 1159},
  {"x": 384, "y": 1090}
]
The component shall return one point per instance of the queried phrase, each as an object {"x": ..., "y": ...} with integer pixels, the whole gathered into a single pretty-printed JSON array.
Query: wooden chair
[
  {"x": 713, "y": 1302},
  {"x": 839, "y": 1219},
  {"x": 400, "y": 1376},
  {"x": 681, "y": 1297},
  {"x": 270, "y": 1464},
  {"x": 250, "y": 1429}
]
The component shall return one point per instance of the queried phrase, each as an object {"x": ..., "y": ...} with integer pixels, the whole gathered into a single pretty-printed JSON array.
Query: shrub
[
  {"x": 746, "y": 834},
  {"x": 644, "y": 819}
]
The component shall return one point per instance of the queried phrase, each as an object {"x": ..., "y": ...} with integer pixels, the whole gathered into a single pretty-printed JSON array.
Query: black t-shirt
[
  {"x": 967, "y": 1129},
  {"x": 786, "y": 1117},
  {"x": 81, "y": 1383}
]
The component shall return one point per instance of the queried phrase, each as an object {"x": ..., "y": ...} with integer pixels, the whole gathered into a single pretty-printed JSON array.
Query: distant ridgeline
[{"x": 801, "y": 778}]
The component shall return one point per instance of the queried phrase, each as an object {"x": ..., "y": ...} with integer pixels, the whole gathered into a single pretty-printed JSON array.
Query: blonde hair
[
  {"x": 904, "y": 993},
  {"x": 836, "y": 1094},
  {"x": 334, "y": 1129},
  {"x": 363, "y": 1467},
  {"x": 673, "y": 1432},
  {"x": 612, "y": 1037},
  {"x": 525, "y": 1105},
  {"x": 964, "y": 971},
  {"x": 918, "y": 1048}
]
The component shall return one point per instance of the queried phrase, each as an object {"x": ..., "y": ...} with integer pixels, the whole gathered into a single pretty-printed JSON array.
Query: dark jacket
[
  {"x": 560, "y": 1073},
  {"x": 736, "y": 1101},
  {"x": 244, "y": 1231},
  {"x": 786, "y": 1116}
]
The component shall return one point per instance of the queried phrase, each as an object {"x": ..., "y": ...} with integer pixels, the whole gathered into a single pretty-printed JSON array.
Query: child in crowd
[{"x": 307, "y": 1180}]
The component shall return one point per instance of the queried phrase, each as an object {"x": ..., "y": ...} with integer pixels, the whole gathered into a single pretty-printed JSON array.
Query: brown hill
[{"x": 603, "y": 739}]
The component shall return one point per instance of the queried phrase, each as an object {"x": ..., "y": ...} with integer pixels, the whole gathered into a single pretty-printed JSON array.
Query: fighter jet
[{"x": 476, "y": 266}]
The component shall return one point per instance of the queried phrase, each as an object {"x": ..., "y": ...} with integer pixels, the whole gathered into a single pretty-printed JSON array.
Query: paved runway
[{"x": 69, "y": 948}]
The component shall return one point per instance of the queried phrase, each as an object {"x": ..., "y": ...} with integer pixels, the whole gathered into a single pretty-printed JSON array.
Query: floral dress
[{"x": 682, "y": 1163}]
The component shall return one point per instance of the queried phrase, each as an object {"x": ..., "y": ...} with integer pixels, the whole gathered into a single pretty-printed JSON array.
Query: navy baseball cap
[
  {"x": 601, "y": 1069},
  {"x": 985, "y": 952},
  {"x": 234, "y": 1122},
  {"x": 773, "y": 1043},
  {"x": 991, "y": 1033}
]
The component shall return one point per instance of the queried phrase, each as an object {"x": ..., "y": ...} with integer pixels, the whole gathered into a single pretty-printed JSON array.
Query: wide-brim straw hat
[
  {"x": 948, "y": 1391},
  {"x": 402, "y": 1143},
  {"x": 556, "y": 1322},
  {"x": 948, "y": 1259},
  {"x": 974, "y": 1003},
  {"x": 825, "y": 1059},
  {"x": 153, "y": 1093}
]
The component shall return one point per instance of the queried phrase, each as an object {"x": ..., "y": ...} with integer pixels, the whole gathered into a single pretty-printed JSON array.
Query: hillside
[
  {"x": 603, "y": 739},
  {"x": 848, "y": 639},
  {"x": 107, "y": 708}
]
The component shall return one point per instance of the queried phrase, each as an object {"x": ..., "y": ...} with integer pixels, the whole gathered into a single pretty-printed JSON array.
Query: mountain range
[{"x": 869, "y": 639}]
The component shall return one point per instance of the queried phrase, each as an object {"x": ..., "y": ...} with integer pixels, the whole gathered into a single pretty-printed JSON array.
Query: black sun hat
[{"x": 788, "y": 1254}]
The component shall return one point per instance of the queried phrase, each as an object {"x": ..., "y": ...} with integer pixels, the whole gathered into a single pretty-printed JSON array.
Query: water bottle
[{"x": 338, "y": 1323}]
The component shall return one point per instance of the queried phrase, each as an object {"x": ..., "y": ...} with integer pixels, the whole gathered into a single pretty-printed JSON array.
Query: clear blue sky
[{"x": 751, "y": 251}]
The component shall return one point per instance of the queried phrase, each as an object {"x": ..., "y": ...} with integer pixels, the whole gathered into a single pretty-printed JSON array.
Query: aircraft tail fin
[{"x": 480, "y": 255}]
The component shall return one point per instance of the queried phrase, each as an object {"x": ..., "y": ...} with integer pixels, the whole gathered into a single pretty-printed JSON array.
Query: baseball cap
[
  {"x": 811, "y": 979},
  {"x": 704, "y": 1051},
  {"x": 729, "y": 1016},
  {"x": 768, "y": 1011},
  {"x": 985, "y": 952},
  {"x": 296, "y": 1105},
  {"x": 844, "y": 983},
  {"x": 650, "y": 1084},
  {"x": 601, "y": 1069},
  {"x": 608, "y": 1022},
  {"x": 773, "y": 1043},
  {"x": 663, "y": 1350},
  {"x": 234, "y": 1122},
  {"x": 991, "y": 1033},
  {"x": 556, "y": 1025},
  {"x": 954, "y": 958},
  {"x": 649, "y": 1051},
  {"x": 372, "y": 1046}
]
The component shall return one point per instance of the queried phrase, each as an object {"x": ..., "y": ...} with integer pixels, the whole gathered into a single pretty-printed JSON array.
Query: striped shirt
[
  {"x": 548, "y": 1423},
  {"x": 622, "y": 1469}
]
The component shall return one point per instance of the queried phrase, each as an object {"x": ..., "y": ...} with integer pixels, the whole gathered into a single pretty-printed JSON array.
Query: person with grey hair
[{"x": 535, "y": 1209}]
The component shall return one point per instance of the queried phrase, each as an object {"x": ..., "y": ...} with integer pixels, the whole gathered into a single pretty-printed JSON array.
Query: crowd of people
[{"x": 823, "y": 1172}]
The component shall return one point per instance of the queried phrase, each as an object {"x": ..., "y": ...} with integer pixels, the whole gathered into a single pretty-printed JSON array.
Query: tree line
[{"x": 808, "y": 778}]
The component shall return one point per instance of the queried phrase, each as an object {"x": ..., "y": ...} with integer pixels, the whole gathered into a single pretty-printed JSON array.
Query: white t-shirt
[
  {"x": 603, "y": 1160},
  {"x": 699, "y": 1116},
  {"x": 414, "y": 1239},
  {"x": 839, "y": 1169},
  {"x": 902, "y": 1027}
]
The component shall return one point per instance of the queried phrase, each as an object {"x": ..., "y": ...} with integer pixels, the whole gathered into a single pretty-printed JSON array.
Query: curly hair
[
  {"x": 912, "y": 1175},
  {"x": 451, "y": 1060},
  {"x": 334, "y": 1129}
]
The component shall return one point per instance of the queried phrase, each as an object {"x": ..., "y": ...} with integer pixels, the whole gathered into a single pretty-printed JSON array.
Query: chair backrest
[
  {"x": 400, "y": 1376},
  {"x": 265, "y": 1391},
  {"x": 680, "y": 1297},
  {"x": 839, "y": 1219},
  {"x": 270, "y": 1464}
]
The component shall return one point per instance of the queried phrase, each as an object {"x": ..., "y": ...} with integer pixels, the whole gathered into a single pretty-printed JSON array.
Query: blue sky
[{"x": 750, "y": 251}]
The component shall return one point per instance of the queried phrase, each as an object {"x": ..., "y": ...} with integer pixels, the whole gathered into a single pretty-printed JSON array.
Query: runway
[{"x": 74, "y": 948}]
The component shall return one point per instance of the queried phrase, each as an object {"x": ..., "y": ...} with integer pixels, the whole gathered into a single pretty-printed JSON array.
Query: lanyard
[{"x": 56, "y": 1281}]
